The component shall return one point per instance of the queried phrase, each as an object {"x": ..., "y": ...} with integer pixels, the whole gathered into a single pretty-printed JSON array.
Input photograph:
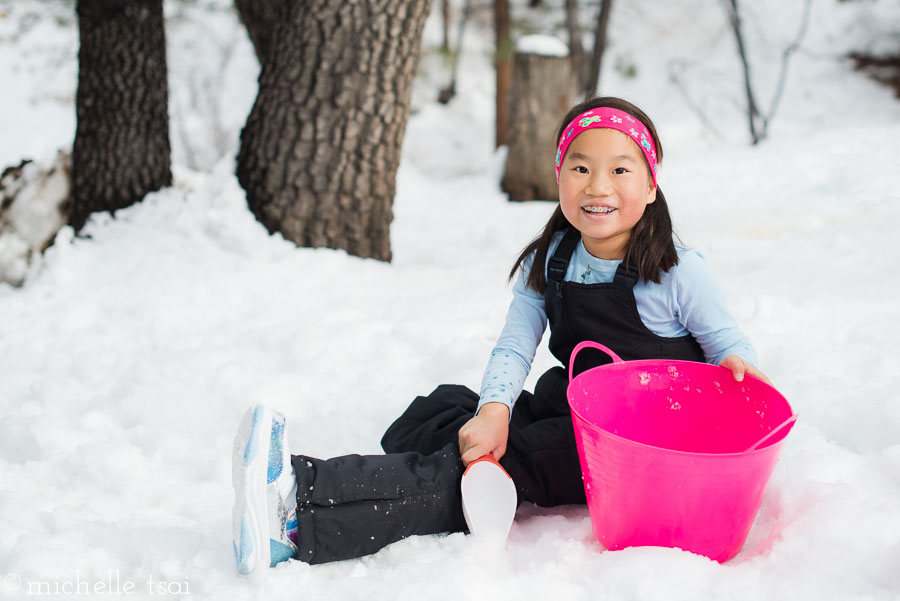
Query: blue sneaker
[{"x": 265, "y": 490}]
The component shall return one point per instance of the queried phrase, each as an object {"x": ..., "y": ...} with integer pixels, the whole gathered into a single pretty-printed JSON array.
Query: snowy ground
[{"x": 128, "y": 358}]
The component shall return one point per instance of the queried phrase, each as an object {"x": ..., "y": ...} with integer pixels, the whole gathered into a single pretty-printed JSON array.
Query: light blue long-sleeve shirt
[{"x": 687, "y": 300}]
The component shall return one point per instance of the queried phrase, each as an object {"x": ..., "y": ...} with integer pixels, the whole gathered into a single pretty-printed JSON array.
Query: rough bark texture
[
  {"x": 543, "y": 89},
  {"x": 260, "y": 18},
  {"x": 121, "y": 150},
  {"x": 319, "y": 153}
]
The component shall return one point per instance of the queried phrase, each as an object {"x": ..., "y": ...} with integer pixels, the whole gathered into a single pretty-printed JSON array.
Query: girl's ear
[{"x": 651, "y": 194}]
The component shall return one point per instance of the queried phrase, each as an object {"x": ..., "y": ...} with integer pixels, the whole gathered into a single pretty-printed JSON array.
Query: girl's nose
[{"x": 598, "y": 185}]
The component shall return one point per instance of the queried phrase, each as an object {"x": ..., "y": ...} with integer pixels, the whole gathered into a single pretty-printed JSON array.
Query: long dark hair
[{"x": 650, "y": 249}]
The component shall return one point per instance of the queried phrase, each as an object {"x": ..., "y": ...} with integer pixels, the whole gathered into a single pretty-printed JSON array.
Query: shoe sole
[
  {"x": 489, "y": 499},
  {"x": 249, "y": 478}
]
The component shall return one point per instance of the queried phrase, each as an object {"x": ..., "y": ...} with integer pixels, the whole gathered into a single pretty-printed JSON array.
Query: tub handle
[
  {"x": 790, "y": 420},
  {"x": 590, "y": 343}
]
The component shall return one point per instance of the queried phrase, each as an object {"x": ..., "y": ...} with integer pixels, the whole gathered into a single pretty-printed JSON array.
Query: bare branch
[
  {"x": 785, "y": 60},
  {"x": 731, "y": 8},
  {"x": 447, "y": 93}
]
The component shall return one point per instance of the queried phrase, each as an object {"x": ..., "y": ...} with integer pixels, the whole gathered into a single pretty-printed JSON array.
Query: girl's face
[{"x": 604, "y": 187}]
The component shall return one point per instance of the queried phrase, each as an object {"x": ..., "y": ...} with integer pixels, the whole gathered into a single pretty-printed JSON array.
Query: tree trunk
[
  {"x": 593, "y": 80},
  {"x": 576, "y": 48},
  {"x": 320, "y": 149},
  {"x": 503, "y": 65},
  {"x": 121, "y": 150},
  {"x": 543, "y": 90},
  {"x": 260, "y": 18},
  {"x": 445, "y": 25}
]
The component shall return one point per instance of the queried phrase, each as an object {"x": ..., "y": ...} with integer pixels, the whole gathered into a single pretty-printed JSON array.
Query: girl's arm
[
  {"x": 510, "y": 361},
  {"x": 504, "y": 377},
  {"x": 485, "y": 433}
]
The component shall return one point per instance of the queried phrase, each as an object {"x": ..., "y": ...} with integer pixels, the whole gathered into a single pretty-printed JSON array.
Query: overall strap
[
  {"x": 626, "y": 277},
  {"x": 559, "y": 262}
]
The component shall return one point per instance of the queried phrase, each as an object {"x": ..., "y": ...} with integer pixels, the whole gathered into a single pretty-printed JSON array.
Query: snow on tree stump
[{"x": 543, "y": 89}]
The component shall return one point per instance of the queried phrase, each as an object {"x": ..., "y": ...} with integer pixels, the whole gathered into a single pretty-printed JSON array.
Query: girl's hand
[
  {"x": 485, "y": 433},
  {"x": 739, "y": 367}
]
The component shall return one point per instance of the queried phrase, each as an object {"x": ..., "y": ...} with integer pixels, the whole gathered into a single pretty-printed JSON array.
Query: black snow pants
[{"x": 354, "y": 505}]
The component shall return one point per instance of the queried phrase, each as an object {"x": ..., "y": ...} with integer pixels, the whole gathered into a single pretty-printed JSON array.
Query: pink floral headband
[{"x": 609, "y": 118}]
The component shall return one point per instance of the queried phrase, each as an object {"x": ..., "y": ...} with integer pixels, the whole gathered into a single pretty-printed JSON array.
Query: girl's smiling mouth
[{"x": 597, "y": 210}]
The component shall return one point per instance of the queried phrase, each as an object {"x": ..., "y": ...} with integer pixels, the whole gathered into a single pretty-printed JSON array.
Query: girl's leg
[
  {"x": 345, "y": 507},
  {"x": 543, "y": 462},
  {"x": 431, "y": 422},
  {"x": 541, "y": 455},
  {"x": 355, "y": 505}
]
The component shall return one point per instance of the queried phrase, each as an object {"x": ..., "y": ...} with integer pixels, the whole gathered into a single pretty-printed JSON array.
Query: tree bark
[
  {"x": 543, "y": 90},
  {"x": 503, "y": 64},
  {"x": 260, "y": 17},
  {"x": 576, "y": 47},
  {"x": 320, "y": 149},
  {"x": 445, "y": 25},
  {"x": 121, "y": 150},
  {"x": 593, "y": 80}
]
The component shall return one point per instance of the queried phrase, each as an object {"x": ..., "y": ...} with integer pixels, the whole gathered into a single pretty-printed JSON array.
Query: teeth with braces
[{"x": 599, "y": 209}]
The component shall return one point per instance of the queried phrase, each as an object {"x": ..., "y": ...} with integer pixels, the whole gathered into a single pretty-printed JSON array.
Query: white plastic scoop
[{"x": 488, "y": 498}]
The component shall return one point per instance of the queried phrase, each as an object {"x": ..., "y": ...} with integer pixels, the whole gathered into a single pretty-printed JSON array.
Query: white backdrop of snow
[{"x": 129, "y": 356}]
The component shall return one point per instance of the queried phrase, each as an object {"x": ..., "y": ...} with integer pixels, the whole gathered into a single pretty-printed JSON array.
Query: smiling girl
[{"x": 605, "y": 268}]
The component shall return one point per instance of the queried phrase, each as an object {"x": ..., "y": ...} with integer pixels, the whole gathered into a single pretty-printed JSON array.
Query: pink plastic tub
[{"x": 674, "y": 453}]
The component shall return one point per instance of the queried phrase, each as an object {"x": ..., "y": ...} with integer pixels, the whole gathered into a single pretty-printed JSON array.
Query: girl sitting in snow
[{"x": 605, "y": 268}]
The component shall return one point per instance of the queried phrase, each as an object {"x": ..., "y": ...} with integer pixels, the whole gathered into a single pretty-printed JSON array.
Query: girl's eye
[
  {"x": 620, "y": 170},
  {"x": 581, "y": 169}
]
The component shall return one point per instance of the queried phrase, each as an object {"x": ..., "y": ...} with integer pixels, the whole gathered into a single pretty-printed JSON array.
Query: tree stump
[{"x": 543, "y": 89}]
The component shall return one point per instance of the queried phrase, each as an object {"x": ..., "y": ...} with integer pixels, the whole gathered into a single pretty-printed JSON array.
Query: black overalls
[{"x": 355, "y": 505}]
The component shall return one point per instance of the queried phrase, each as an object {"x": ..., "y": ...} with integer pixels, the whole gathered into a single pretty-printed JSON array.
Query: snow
[
  {"x": 543, "y": 45},
  {"x": 31, "y": 197},
  {"x": 130, "y": 354}
]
